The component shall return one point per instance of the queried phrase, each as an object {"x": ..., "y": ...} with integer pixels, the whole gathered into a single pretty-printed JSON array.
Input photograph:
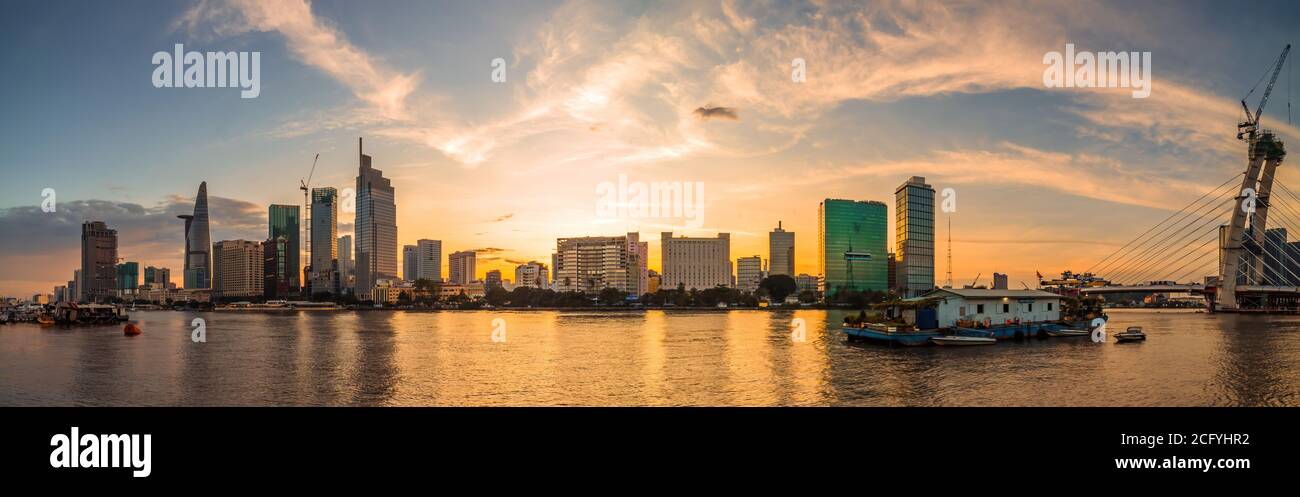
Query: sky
[{"x": 1047, "y": 179}]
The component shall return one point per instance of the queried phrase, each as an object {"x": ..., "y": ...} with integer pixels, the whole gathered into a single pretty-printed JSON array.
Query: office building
[
  {"x": 851, "y": 244},
  {"x": 347, "y": 267},
  {"x": 699, "y": 263},
  {"x": 780, "y": 251},
  {"x": 492, "y": 279},
  {"x": 128, "y": 277},
  {"x": 914, "y": 237},
  {"x": 237, "y": 268},
  {"x": 324, "y": 240},
  {"x": 428, "y": 265},
  {"x": 159, "y": 277},
  {"x": 285, "y": 221},
  {"x": 275, "y": 261},
  {"x": 376, "y": 226},
  {"x": 410, "y": 259},
  {"x": 98, "y": 262},
  {"x": 462, "y": 267},
  {"x": 198, "y": 243}
]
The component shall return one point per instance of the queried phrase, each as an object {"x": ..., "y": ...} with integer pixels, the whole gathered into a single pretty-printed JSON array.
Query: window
[
  {"x": 1031, "y": 307},
  {"x": 979, "y": 309},
  {"x": 961, "y": 311},
  {"x": 1006, "y": 308},
  {"x": 1049, "y": 306}
]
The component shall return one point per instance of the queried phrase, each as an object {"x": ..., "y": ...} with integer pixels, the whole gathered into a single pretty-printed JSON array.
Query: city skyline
[{"x": 505, "y": 168}]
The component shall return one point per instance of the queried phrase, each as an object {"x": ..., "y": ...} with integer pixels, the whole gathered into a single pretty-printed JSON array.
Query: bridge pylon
[{"x": 1265, "y": 153}]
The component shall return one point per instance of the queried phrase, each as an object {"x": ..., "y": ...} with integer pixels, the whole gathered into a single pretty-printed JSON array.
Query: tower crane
[
  {"x": 1247, "y": 129},
  {"x": 305, "y": 186}
]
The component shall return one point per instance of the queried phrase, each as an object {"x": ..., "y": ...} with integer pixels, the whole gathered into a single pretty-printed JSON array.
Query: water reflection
[{"x": 634, "y": 358}]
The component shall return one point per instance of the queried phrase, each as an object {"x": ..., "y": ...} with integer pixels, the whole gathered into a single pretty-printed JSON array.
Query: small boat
[
  {"x": 1132, "y": 334},
  {"x": 962, "y": 340},
  {"x": 1067, "y": 332}
]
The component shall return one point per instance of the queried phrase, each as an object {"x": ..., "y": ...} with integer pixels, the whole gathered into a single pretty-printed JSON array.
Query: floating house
[{"x": 968, "y": 307}]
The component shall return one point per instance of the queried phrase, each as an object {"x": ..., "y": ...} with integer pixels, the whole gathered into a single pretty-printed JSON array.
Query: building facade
[
  {"x": 409, "y": 260},
  {"x": 780, "y": 251},
  {"x": 98, "y": 262},
  {"x": 324, "y": 240},
  {"x": 428, "y": 265},
  {"x": 852, "y": 237},
  {"x": 237, "y": 269},
  {"x": 749, "y": 273},
  {"x": 492, "y": 279},
  {"x": 275, "y": 263},
  {"x": 699, "y": 263},
  {"x": 198, "y": 243},
  {"x": 593, "y": 263},
  {"x": 347, "y": 267},
  {"x": 376, "y": 226},
  {"x": 128, "y": 276},
  {"x": 532, "y": 274},
  {"x": 914, "y": 236},
  {"x": 284, "y": 221},
  {"x": 461, "y": 267}
]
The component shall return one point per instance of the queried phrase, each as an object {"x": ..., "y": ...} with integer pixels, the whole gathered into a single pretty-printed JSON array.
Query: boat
[
  {"x": 1066, "y": 332},
  {"x": 893, "y": 335},
  {"x": 962, "y": 340},
  {"x": 45, "y": 319},
  {"x": 1132, "y": 334}
]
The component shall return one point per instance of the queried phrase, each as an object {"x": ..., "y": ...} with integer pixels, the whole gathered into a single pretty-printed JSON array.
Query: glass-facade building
[
  {"x": 284, "y": 221},
  {"x": 376, "y": 227},
  {"x": 128, "y": 276},
  {"x": 914, "y": 237},
  {"x": 852, "y": 237},
  {"x": 324, "y": 239},
  {"x": 198, "y": 243}
]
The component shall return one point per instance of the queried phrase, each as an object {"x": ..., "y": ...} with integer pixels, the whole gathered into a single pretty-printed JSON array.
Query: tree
[
  {"x": 611, "y": 296},
  {"x": 497, "y": 296},
  {"x": 779, "y": 286}
]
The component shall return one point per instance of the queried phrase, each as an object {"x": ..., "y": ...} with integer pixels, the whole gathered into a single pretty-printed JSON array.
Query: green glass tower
[
  {"x": 852, "y": 237},
  {"x": 284, "y": 222}
]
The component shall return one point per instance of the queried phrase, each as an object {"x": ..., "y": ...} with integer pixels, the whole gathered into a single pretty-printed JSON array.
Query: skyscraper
[
  {"x": 462, "y": 267},
  {"x": 98, "y": 261},
  {"x": 347, "y": 267},
  {"x": 428, "y": 264},
  {"x": 285, "y": 221},
  {"x": 914, "y": 237},
  {"x": 324, "y": 234},
  {"x": 376, "y": 226},
  {"x": 128, "y": 276},
  {"x": 851, "y": 240},
  {"x": 198, "y": 243},
  {"x": 275, "y": 261},
  {"x": 780, "y": 251},
  {"x": 410, "y": 262},
  {"x": 699, "y": 263}
]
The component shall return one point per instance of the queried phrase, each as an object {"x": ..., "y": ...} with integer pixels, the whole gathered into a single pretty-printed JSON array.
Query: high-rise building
[
  {"x": 914, "y": 236},
  {"x": 428, "y": 265},
  {"x": 347, "y": 267},
  {"x": 324, "y": 235},
  {"x": 275, "y": 261},
  {"x": 128, "y": 276},
  {"x": 652, "y": 280},
  {"x": 462, "y": 267},
  {"x": 892, "y": 279},
  {"x": 492, "y": 279},
  {"x": 699, "y": 263},
  {"x": 198, "y": 243},
  {"x": 999, "y": 281},
  {"x": 376, "y": 226},
  {"x": 749, "y": 273},
  {"x": 159, "y": 277},
  {"x": 237, "y": 268},
  {"x": 286, "y": 221},
  {"x": 851, "y": 240},
  {"x": 78, "y": 285},
  {"x": 98, "y": 262},
  {"x": 592, "y": 263},
  {"x": 410, "y": 263},
  {"x": 805, "y": 282},
  {"x": 780, "y": 251},
  {"x": 532, "y": 274}
]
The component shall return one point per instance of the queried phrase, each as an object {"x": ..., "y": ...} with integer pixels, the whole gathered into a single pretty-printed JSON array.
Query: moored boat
[
  {"x": 1132, "y": 334},
  {"x": 962, "y": 340},
  {"x": 893, "y": 335}
]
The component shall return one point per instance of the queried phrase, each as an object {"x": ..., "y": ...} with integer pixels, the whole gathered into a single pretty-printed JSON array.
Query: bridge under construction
[{"x": 1258, "y": 268}]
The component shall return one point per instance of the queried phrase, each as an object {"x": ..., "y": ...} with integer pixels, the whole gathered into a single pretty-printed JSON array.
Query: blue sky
[{"x": 948, "y": 90}]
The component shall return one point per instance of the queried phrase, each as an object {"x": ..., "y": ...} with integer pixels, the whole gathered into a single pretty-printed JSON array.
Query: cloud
[
  {"x": 706, "y": 113},
  {"x": 503, "y": 218},
  {"x": 39, "y": 248},
  {"x": 314, "y": 41}
]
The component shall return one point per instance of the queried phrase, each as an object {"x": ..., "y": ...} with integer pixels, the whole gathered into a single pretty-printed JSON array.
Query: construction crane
[
  {"x": 1247, "y": 129},
  {"x": 305, "y": 186}
]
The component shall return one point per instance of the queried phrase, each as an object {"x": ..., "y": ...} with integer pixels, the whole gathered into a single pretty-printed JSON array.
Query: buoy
[{"x": 131, "y": 329}]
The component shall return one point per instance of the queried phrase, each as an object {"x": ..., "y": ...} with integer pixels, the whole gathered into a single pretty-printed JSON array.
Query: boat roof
[{"x": 990, "y": 293}]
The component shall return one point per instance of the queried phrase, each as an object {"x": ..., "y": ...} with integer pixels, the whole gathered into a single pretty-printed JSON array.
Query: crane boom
[{"x": 1251, "y": 124}]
